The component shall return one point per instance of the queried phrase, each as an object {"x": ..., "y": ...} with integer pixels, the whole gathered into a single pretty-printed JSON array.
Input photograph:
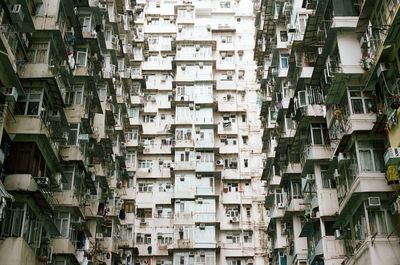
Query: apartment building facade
[
  {"x": 329, "y": 73},
  {"x": 130, "y": 133}
]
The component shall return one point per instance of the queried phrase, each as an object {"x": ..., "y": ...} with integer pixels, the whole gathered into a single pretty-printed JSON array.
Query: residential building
[
  {"x": 329, "y": 73},
  {"x": 130, "y": 133}
]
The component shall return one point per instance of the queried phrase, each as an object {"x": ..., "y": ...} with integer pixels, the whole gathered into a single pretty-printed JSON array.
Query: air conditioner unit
[
  {"x": 201, "y": 64},
  {"x": 249, "y": 262},
  {"x": 16, "y": 12},
  {"x": 230, "y": 73},
  {"x": 142, "y": 221},
  {"x": 202, "y": 226},
  {"x": 197, "y": 129},
  {"x": 177, "y": 201},
  {"x": 197, "y": 107},
  {"x": 199, "y": 201},
  {"x": 191, "y": 254},
  {"x": 99, "y": 235},
  {"x": 220, "y": 162},
  {"x": 202, "y": 253},
  {"x": 11, "y": 94},
  {"x": 392, "y": 155},
  {"x": 234, "y": 220},
  {"x": 191, "y": 106},
  {"x": 281, "y": 205},
  {"x": 374, "y": 202},
  {"x": 198, "y": 175},
  {"x": 183, "y": 67},
  {"x": 197, "y": 48}
]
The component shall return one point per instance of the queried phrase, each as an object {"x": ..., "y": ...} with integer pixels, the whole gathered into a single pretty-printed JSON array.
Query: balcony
[
  {"x": 199, "y": 120},
  {"x": 231, "y": 173},
  {"x": 342, "y": 124},
  {"x": 25, "y": 183},
  {"x": 157, "y": 65},
  {"x": 313, "y": 153},
  {"x": 227, "y": 128},
  {"x": 160, "y": 28},
  {"x": 184, "y": 165},
  {"x": 194, "y": 56},
  {"x": 72, "y": 153},
  {"x": 156, "y": 171},
  {"x": 226, "y": 84},
  {"x": 228, "y": 149},
  {"x": 15, "y": 250},
  {"x": 234, "y": 197},
  {"x": 67, "y": 198},
  {"x": 364, "y": 183},
  {"x": 329, "y": 248},
  {"x": 205, "y": 191},
  {"x": 184, "y": 143},
  {"x": 184, "y": 244},
  {"x": 204, "y": 217},
  {"x": 183, "y": 218},
  {"x": 327, "y": 202},
  {"x": 63, "y": 246},
  {"x": 204, "y": 166},
  {"x": 184, "y": 193},
  {"x": 230, "y": 106}
]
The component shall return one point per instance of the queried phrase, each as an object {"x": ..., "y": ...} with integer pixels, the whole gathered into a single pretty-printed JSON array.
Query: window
[
  {"x": 245, "y": 139},
  {"x": 20, "y": 221},
  {"x": 233, "y": 238},
  {"x": 81, "y": 57},
  {"x": 62, "y": 223},
  {"x": 39, "y": 52},
  {"x": 73, "y": 133},
  {"x": 284, "y": 36},
  {"x": 164, "y": 239},
  {"x": 247, "y": 236},
  {"x": 296, "y": 190},
  {"x": 379, "y": 223},
  {"x": 129, "y": 206},
  {"x": 145, "y": 187},
  {"x": 319, "y": 134},
  {"x": 232, "y": 211},
  {"x": 86, "y": 22},
  {"x": 130, "y": 159},
  {"x": 248, "y": 211},
  {"x": 233, "y": 262},
  {"x": 284, "y": 62},
  {"x": 75, "y": 96},
  {"x": 361, "y": 102},
  {"x": 132, "y": 135},
  {"x": 148, "y": 118},
  {"x": 32, "y": 103},
  {"x": 233, "y": 187},
  {"x": 246, "y": 162},
  {"x": 143, "y": 239},
  {"x": 371, "y": 155},
  {"x": 328, "y": 182}
]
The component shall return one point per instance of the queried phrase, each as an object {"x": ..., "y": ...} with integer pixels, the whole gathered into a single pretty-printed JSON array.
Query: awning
[{"x": 4, "y": 193}]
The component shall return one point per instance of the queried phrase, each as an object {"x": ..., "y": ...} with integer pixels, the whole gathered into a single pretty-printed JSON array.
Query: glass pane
[
  {"x": 317, "y": 137},
  {"x": 33, "y": 108},
  {"x": 357, "y": 106},
  {"x": 366, "y": 160}
]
